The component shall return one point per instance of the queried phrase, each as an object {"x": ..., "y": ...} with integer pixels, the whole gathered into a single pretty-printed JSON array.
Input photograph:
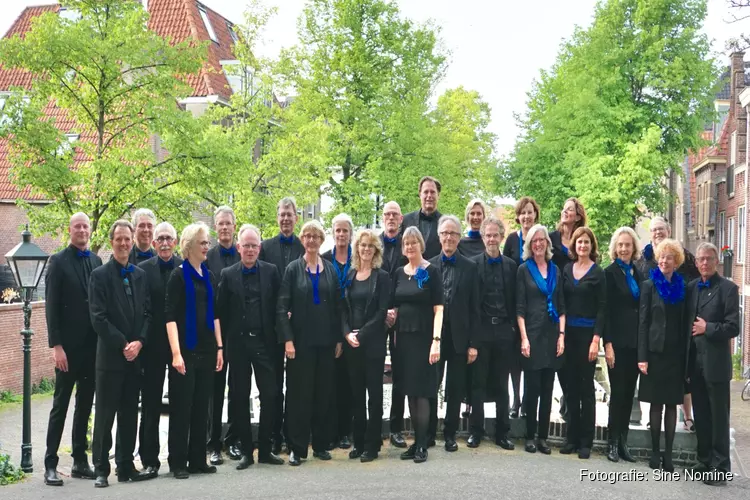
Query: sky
[{"x": 496, "y": 47}]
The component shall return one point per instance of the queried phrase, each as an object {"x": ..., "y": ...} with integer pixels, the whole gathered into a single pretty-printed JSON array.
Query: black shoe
[
  {"x": 234, "y": 452},
  {"x": 82, "y": 470},
  {"x": 530, "y": 446},
  {"x": 451, "y": 444},
  {"x": 270, "y": 459},
  {"x": 134, "y": 476},
  {"x": 625, "y": 454},
  {"x": 474, "y": 441},
  {"x": 245, "y": 462},
  {"x": 202, "y": 469},
  {"x": 431, "y": 442},
  {"x": 51, "y": 478},
  {"x": 345, "y": 444},
  {"x": 667, "y": 464},
  {"x": 275, "y": 448},
  {"x": 215, "y": 458},
  {"x": 568, "y": 449},
  {"x": 332, "y": 446},
  {"x": 541, "y": 445},
  {"x": 409, "y": 453},
  {"x": 715, "y": 477},
  {"x": 505, "y": 443},
  {"x": 181, "y": 474},
  {"x": 355, "y": 453},
  {"x": 420, "y": 455},
  {"x": 584, "y": 453},
  {"x": 368, "y": 456},
  {"x": 397, "y": 440},
  {"x": 322, "y": 455},
  {"x": 612, "y": 454},
  {"x": 655, "y": 461},
  {"x": 294, "y": 459},
  {"x": 151, "y": 471},
  {"x": 101, "y": 482}
]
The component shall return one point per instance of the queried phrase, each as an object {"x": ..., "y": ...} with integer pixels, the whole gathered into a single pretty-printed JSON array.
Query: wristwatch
[
  {"x": 436, "y": 339},
  {"x": 220, "y": 348}
]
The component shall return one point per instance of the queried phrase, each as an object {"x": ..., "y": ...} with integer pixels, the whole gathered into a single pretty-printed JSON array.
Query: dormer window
[
  {"x": 232, "y": 33},
  {"x": 207, "y": 23}
]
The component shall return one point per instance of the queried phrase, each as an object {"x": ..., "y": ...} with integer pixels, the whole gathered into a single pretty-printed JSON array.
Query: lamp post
[{"x": 27, "y": 262}]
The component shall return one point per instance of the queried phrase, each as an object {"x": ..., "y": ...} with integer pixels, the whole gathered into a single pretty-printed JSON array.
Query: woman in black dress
[
  {"x": 527, "y": 214},
  {"x": 366, "y": 300},
  {"x": 310, "y": 291},
  {"x": 662, "y": 345},
  {"x": 418, "y": 300},
  {"x": 197, "y": 352},
  {"x": 540, "y": 307},
  {"x": 585, "y": 306},
  {"x": 472, "y": 245},
  {"x": 623, "y": 280}
]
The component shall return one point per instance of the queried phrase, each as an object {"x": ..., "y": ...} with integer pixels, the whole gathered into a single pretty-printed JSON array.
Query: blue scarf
[
  {"x": 520, "y": 248},
  {"x": 315, "y": 283},
  {"x": 474, "y": 235},
  {"x": 191, "y": 327},
  {"x": 648, "y": 252},
  {"x": 341, "y": 273},
  {"x": 671, "y": 292},
  {"x": 547, "y": 287},
  {"x": 635, "y": 291}
]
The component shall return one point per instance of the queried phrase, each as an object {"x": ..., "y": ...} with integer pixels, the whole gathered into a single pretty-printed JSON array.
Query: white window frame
[
  {"x": 207, "y": 23},
  {"x": 722, "y": 234},
  {"x": 741, "y": 234},
  {"x": 232, "y": 33},
  {"x": 730, "y": 234}
]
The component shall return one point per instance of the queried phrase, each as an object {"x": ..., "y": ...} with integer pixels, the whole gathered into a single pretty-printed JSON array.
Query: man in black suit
[
  {"x": 144, "y": 221},
  {"x": 220, "y": 257},
  {"x": 120, "y": 312},
  {"x": 713, "y": 303},
  {"x": 280, "y": 251},
  {"x": 496, "y": 337},
  {"x": 460, "y": 322},
  {"x": 156, "y": 356},
  {"x": 247, "y": 307},
  {"x": 73, "y": 341},
  {"x": 427, "y": 217}
]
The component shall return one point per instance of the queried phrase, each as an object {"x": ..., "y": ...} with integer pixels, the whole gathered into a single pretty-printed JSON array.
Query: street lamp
[{"x": 27, "y": 262}]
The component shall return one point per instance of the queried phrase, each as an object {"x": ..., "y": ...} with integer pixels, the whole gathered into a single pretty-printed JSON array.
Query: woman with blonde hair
[{"x": 472, "y": 245}]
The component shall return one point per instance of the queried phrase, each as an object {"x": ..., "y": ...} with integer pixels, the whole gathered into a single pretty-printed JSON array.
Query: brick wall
[
  {"x": 12, "y": 219},
  {"x": 11, "y": 347}
]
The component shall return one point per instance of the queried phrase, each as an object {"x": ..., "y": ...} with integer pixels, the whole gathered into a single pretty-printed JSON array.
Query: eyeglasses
[
  {"x": 164, "y": 239},
  {"x": 709, "y": 258},
  {"x": 449, "y": 234},
  {"x": 250, "y": 246},
  {"x": 391, "y": 214},
  {"x": 660, "y": 229},
  {"x": 205, "y": 243},
  {"x": 309, "y": 236}
]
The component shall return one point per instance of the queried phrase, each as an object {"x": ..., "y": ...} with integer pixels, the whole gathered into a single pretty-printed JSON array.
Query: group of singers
[{"x": 321, "y": 324}]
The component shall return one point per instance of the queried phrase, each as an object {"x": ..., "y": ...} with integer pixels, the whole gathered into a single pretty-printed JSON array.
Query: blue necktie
[
  {"x": 227, "y": 252},
  {"x": 144, "y": 255},
  {"x": 127, "y": 270},
  {"x": 84, "y": 253},
  {"x": 390, "y": 241},
  {"x": 286, "y": 240},
  {"x": 251, "y": 270},
  {"x": 449, "y": 260},
  {"x": 704, "y": 284},
  {"x": 494, "y": 260}
]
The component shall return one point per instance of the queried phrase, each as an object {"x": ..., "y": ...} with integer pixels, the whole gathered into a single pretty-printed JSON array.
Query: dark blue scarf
[
  {"x": 547, "y": 287},
  {"x": 315, "y": 283},
  {"x": 635, "y": 291},
  {"x": 191, "y": 326},
  {"x": 520, "y": 248},
  {"x": 648, "y": 252},
  {"x": 341, "y": 273},
  {"x": 474, "y": 235},
  {"x": 671, "y": 292}
]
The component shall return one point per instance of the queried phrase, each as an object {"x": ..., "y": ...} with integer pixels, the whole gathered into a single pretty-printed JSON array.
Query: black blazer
[
  {"x": 397, "y": 259},
  {"x": 559, "y": 257},
  {"x": 432, "y": 243},
  {"x": 270, "y": 251},
  {"x": 652, "y": 321},
  {"x": 688, "y": 269},
  {"x": 215, "y": 263},
  {"x": 511, "y": 248},
  {"x": 67, "y": 308},
  {"x": 621, "y": 322},
  {"x": 231, "y": 301},
  {"x": 720, "y": 308},
  {"x": 464, "y": 308},
  {"x": 293, "y": 298},
  {"x": 509, "y": 288},
  {"x": 158, "y": 341},
  {"x": 111, "y": 316},
  {"x": 372, "y": 334}
]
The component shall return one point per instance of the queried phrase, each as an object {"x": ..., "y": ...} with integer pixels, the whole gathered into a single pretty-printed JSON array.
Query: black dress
[
  {"x": 471, "y": 247},
  {"x": 414, "y": 330}
]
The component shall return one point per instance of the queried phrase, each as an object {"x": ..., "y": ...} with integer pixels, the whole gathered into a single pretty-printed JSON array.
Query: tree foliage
[{"x": 624, "y": 102}]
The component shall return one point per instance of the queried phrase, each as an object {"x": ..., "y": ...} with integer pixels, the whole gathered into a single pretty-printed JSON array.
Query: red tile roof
[{"x": 177, "y": 19}]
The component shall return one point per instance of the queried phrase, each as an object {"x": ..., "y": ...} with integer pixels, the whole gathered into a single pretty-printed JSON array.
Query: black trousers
[
  {"x": 216, "y": 405},
  {"x": 155, "y": 367},
  {"x": 308, "y": 397},
  {"x": 538, "y": 385},
  {"x": 455, "y": 386},
  {"x": 189, "y": 395},
  {"x": 250, "y": 353},
  {"x": 116, "y": 396},
  {"x": 397, "y": 394},
  {"x": 366, "y": 378},
  {"x": 279, "y": 421},
  {"x": 495, "y": 356},
  {"x": 711, "y": 407},
  {"x": 580, "y": 377},
  {"x": 82, "y": 375},
  {"x": 622, "y": 381},
  {"x": 341, "y": 409}
]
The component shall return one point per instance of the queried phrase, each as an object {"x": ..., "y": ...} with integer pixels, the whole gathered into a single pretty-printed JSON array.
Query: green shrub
[
  {"x": 9, "y": 397},
  {"x": 45, "y": 386},
  {"x": 8, "y": 473}
]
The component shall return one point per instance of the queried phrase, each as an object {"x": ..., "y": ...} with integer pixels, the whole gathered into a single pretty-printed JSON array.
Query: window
[
  {"x": 730, "y": 181},
  {"x": 730, "y": 233},
  {"x": 721, "y": 236},
  {"x": 207, "y": 23},
  {"x": 67, "y": 146},
  {"x": 69, "y": 14},
  {"x": 733, "y": 149},
  {"x": 232, "y": 33},
  {"x": 240, "y": 77},
  {"x": 741, "y": 225}
]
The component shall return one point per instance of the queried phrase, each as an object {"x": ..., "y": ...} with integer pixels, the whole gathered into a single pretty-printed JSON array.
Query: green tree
[
  {"x": 118, "y": 84},
  {"x": 625, "y": 101}
]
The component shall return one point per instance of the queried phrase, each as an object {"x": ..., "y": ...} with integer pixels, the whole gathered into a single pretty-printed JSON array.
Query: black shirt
[
  {"x": 449, "y": 273},
  {"x": 427, "y": 224},
  {"x": 493, "y": 302},
  {"x": 175, "y": 309},
  {"x": 358, "y": 295},
  {"x": 252, "y": 317},
  {"x": 84, "y": 265},
  {"x": 585, "y": 298},
  {"x": 391, "y": 255},
  {"x": 128, "y": 286}
]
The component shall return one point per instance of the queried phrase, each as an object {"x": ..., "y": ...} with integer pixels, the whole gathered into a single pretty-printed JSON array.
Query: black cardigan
[{"x": 621, "y": 325}]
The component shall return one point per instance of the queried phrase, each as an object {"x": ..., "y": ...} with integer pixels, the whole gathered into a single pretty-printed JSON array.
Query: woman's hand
[
  {"x": 525, "y": 348},
  {"x": 593, "y": 350},
  {"x": 219, "y": 360},
  {"x": 351, "y": 338},
  {"x": 643, "y": 367},
  {"x": 560, "y": 345},
  {"x": 609, "y": 355},
  {"x": 471, "y": 355},
  {"x": 435, "y": 352},
  {"x": 339, "y": 349},
  {"x": 178, "y": 364},
  {"x": 289, "y": 349}
]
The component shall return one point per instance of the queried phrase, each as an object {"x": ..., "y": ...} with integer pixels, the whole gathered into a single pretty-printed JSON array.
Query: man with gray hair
[
  {"x": 144, "y": 221},
  {"x": 157, "y": 355},
  {"x": 713, "y": 308},
  {"x": 661, "y": 230},
  {"x": 280, "y": 250}
]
